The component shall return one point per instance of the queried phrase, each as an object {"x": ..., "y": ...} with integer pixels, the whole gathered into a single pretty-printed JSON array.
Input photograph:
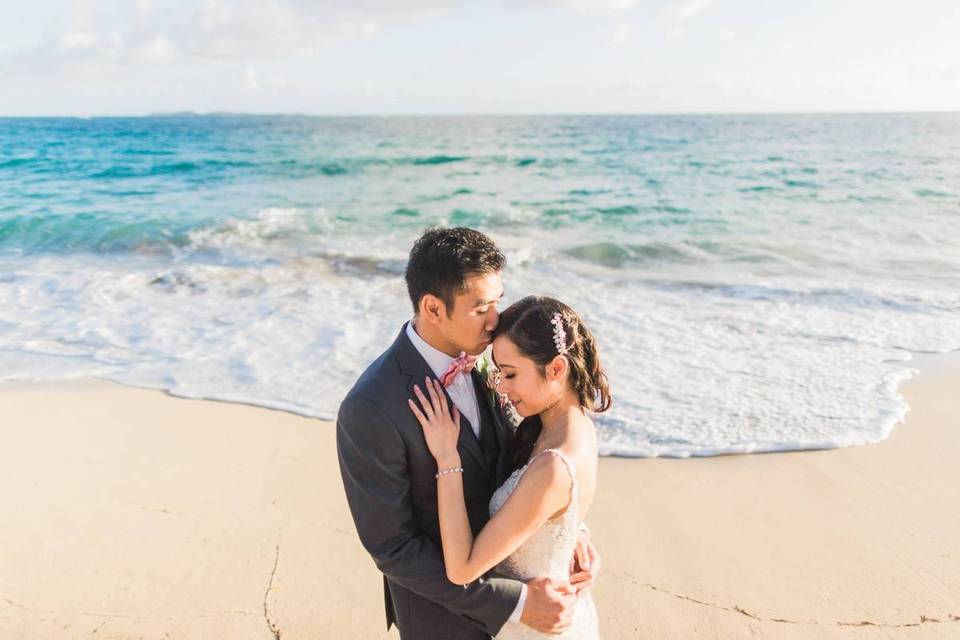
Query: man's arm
[{"x": 373, "y": 466}]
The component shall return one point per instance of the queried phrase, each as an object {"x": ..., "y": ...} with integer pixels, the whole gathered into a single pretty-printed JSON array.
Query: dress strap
[{"x": 570, "y": 469}]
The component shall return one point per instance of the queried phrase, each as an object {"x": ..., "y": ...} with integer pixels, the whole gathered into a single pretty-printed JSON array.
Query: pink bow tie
[{"x": 462, "y": 363}]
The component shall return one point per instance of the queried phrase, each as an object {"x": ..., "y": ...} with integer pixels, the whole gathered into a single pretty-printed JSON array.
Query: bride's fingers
[
  {"x": 583, "y": 558},
  {"x": 444, "y": 406},
  {"x": 434, "y": 400},
  {"x": 422, "y": 419},
  {"x": 593, "y": 559},
  {"x": 583, "y": 587},
  {"x": 456, "y": 417},
  {"x": 443, "y": 398},
  {"x": 582, "y": 582},
  {"x": 424, "y": 402},
  {"x": 426, "y": 409},
  {"x": 579, "y": 576}
]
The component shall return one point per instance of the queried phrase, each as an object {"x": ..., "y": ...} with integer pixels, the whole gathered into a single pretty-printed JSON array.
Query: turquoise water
[{"x": 757, "y": 282}]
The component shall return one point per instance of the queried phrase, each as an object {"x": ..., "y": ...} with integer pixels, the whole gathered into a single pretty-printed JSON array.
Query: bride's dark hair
[{"x": 527, "y": 323}]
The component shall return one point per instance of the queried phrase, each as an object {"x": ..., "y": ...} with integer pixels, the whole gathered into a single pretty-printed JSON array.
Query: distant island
[{"x": 219, "y": 114}]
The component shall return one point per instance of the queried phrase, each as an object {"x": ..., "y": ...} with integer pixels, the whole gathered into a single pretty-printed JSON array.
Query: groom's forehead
[{"x": 483, "y": 289}]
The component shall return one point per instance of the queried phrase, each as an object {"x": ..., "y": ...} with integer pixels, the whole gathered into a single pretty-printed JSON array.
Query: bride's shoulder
[
  {"x": 550, "y": 467},
  {"x": 557, "y": 464}
]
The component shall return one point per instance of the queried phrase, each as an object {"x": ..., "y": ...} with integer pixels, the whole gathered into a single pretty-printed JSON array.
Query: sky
[{"x": 360, "y": 57}]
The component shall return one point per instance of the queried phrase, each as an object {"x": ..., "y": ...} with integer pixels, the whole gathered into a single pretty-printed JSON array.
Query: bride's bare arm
[{"x": 543, "y": 490}]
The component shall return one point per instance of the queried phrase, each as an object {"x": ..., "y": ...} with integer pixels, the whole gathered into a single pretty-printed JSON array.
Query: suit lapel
[{"x": 413, "y": 365}]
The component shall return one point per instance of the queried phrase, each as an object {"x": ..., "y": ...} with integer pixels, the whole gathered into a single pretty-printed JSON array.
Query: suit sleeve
[{"x": 373, "y": 465}]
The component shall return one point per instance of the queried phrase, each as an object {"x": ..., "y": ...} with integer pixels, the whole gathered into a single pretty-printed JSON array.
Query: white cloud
[
  {"x": 250, "y": 79},
  {"x": 157, "y": 50},
  {"x": 144, "y": 9},
  {"x": 687, "y": 10},
  {"x": 242, "y": 31},
  {"x": 574, "y": 4},
  {"x": 601, "y": 4},
  {"x": 623, "y": 33},
  {"x": 247, "y": 29},
  {"x": 239, "y": 31},
  {"x": 86, "y": 45},
  {"x": 79, "y": 41}
]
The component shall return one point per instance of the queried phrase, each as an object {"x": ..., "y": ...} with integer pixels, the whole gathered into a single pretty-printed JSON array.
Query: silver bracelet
[{"x": 446, "y": 471}]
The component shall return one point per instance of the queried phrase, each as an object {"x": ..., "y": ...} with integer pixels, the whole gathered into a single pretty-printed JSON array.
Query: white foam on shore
[{"x": 697, "y": 367}]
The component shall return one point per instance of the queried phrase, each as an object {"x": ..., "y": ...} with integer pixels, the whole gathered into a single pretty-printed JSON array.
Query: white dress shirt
[
  {"x": 464, "y": 396},
  {"x": 461, "y": 390}
]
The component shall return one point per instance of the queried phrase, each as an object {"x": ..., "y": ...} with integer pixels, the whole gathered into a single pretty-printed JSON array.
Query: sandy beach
[{"x": 134, "y": 514}]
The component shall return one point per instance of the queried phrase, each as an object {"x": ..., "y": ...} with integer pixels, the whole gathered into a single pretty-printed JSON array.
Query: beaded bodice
[{"x": 549, "y": 550}]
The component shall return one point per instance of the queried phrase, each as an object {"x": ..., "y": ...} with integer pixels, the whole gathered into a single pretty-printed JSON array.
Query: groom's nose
[{"x": 493, "y": 318}]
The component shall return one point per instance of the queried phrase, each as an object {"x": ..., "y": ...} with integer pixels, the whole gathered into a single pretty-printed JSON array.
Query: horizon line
[{"x": 221, "y": 113}]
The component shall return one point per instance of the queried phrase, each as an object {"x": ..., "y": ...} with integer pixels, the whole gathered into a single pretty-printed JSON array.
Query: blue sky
[{"x": 99, "y": 57}]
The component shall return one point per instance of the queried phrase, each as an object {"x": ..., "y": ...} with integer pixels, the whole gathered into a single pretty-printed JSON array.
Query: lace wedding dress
[{"x": 547, "y": 553}]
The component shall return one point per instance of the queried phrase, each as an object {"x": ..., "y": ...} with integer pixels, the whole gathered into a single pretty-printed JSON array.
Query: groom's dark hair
[{"x": 444, "y": 258}]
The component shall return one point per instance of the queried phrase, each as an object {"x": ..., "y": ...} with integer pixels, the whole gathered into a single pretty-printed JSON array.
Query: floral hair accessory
[
  {"x": 559, "y": 335},
  {"x": 491, "y": 375}
]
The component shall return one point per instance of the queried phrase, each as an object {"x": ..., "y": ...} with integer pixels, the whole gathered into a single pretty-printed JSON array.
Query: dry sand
[{"x": 132, "y": 514}]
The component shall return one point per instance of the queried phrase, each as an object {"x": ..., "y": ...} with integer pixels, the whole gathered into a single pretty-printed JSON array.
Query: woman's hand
[
  {"x": 440, "y": 429},
  {"x": 585, "y": 564}
]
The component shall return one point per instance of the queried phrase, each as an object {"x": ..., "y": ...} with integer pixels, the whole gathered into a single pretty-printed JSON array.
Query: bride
[{"x": 550, "y": 371}]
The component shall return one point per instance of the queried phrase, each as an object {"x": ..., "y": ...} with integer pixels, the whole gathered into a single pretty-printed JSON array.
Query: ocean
[{"x": 756, "y": 282}]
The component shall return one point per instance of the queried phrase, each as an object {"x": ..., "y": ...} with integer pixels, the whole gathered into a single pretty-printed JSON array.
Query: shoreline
[
  {"x": 139, "y": 513},
  {"x": 925, "y": 364}
]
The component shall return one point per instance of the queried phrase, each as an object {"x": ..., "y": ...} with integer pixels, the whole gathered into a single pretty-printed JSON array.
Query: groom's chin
[{"x": 479, "y": 349}]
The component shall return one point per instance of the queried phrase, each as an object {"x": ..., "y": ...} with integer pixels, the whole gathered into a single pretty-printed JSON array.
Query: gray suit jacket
[{"x": 388, "y": 477}]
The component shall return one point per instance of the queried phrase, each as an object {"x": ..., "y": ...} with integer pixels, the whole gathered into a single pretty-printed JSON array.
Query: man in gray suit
[{"x": 454, "y": 280}]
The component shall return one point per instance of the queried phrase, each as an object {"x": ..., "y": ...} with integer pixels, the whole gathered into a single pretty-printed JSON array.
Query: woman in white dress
[{"x": 550, "y": 371}]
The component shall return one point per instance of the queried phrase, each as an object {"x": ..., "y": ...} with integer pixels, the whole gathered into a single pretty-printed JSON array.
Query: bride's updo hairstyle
[{"x": 530, "y": 325}]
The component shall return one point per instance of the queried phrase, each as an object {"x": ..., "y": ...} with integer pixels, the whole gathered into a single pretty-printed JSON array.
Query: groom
[{"x": 454, "y": 280}]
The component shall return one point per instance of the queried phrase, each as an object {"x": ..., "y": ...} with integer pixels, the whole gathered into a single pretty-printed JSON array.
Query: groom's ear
[{"x": 432, "y": 308}]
